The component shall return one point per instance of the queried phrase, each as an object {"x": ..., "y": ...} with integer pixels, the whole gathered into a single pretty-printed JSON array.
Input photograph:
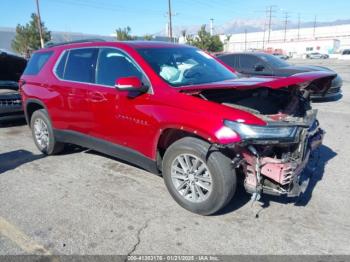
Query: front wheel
[
  {"x": 43, "y": 135},
  {"x": 200, "y": 180}
]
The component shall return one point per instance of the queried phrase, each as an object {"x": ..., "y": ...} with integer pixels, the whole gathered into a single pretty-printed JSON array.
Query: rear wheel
[
  {"x": 43, "y": 133},
  {"x": 201, "y": 181}
]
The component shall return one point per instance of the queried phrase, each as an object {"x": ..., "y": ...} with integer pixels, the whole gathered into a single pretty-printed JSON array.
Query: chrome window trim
[{"x": 151, "y": 91}]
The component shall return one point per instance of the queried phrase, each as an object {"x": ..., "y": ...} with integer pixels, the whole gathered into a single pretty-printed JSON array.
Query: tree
[
  {"x": 124, "y": 34},
  {"x": 205, "y": 41},
  {"x": 148, "y": 37},
  {"x": 27, "y": 36}
]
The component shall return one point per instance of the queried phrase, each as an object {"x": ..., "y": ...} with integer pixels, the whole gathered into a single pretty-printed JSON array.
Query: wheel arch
[
  {"x": 31, "y": 106},
  {"x": 170, "y": 135}
]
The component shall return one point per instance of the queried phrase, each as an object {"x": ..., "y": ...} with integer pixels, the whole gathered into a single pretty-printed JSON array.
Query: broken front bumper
[{"x": 280, "y": 175}]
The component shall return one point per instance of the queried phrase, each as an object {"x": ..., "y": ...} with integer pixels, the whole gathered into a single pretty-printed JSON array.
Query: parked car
[
  {"x": 282, "y": 56},
  {"x": 11, "y": 68},
  {"x": 262, "y": 64},
  {"x": 345, "y": 55},
  {"x": 317, "y": 55},
  {"x": 175, "y": 110}
]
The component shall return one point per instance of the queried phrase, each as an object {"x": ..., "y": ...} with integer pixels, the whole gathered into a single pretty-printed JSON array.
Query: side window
[
  {"x": 235, "y": 61},
  {"x": 37, "y": 62},
  {"x": 81, "y": 64},
  {"x": 60, "y": 68},
  {"x": 230, "y": 60},
  {"x": 113, "y": 64},
  {"x": 249, "y": 61}
]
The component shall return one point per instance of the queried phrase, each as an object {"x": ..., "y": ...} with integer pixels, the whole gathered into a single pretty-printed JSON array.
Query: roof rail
[{"x": 52, "y": 44}]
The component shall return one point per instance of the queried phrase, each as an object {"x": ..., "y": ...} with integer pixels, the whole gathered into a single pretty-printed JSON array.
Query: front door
[{"x": 117, "y": 117}]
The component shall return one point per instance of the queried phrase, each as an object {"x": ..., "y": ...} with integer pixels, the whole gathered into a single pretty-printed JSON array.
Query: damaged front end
[
  {"x": 11, "y": 69},
  {"x": 273, "y": 166},
  {"x": 273, "y": 156}
]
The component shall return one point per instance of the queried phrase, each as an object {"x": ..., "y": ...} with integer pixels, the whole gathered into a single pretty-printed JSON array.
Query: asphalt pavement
[{"x": 82, "y": 202}]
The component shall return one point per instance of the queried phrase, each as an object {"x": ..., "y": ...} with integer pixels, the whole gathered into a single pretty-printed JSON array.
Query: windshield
[
  {"x": 273, "y": 61},
  {"x": 181, "y": 66}
]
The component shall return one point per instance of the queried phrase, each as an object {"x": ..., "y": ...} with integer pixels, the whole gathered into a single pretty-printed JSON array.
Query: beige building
[{"x": 327, "y": 39}]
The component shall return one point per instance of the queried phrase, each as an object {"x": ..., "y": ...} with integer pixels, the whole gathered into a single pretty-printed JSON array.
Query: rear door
[{"x": 76, "y": 74}]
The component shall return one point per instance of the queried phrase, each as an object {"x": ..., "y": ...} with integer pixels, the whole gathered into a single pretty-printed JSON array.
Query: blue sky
[{"x": 149, "y": 16}]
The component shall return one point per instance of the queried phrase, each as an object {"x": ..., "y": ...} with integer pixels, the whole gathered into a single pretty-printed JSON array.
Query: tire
[
  {"x": 219, "y": 171},
  {"x": 51, "y": 146}
]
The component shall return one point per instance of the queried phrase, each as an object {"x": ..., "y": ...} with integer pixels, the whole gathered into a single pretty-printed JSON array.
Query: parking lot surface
[{"x": 82, "y": 202}]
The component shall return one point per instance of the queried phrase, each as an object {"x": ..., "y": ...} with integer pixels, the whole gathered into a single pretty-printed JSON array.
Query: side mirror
[
  {"x": 131, "y": 83},
  {"x": 259, "y": 67}
]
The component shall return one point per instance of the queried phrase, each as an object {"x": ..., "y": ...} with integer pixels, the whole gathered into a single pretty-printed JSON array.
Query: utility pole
[
  {"x": 39, "y": 24},
  {"x": 170, "y": 21},
  {"x": 211, "y": 26},
  {"x": 285, "y": 26},
  {"x": 298, "y": 26},
  {"x": 245, "y": 39},
  {"x": 263, "y": 45},
  {"x": 315, "y": 22},
  {"x": 270, "y": 10}
]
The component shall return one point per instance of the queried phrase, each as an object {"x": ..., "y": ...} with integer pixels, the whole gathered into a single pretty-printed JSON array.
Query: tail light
[{"x": 21, "y": 83}]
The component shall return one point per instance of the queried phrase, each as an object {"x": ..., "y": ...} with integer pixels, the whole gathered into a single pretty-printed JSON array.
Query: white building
[{"x": 327, "y": 39}]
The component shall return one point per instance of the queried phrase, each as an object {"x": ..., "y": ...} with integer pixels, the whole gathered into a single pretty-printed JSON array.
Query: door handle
[{"x": 96, "y": 97}]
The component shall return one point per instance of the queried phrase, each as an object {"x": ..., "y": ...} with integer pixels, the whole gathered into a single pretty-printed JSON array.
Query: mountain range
[{"x": 251, "y": 25}]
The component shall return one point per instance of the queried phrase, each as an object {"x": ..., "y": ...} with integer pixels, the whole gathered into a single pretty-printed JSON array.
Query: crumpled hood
[{"x": 322, "y": 78}]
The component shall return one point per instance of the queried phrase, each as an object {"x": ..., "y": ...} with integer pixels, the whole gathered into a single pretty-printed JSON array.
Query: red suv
[{"x": 176, "y": 111}]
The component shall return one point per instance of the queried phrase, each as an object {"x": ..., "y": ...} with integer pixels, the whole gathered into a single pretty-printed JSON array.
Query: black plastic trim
[
  {"x": 108, "y": 148},
  {"x": 35, "y": 101}
]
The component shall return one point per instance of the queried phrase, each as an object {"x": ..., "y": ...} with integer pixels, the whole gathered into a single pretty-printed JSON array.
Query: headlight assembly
[{"x": 268, "y": 132}]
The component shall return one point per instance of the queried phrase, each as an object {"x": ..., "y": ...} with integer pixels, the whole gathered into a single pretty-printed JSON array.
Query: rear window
[
  {"x": 80, "y": 65},
  {"x": 37, "y": 62}
]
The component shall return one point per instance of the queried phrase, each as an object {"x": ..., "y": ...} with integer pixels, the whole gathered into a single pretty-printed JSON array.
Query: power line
[
  {"x": 170, "y": 21},
  {"x": 298, "y": 26},
  {"x": 205, "y": 3},
  {"x": 315, "y": 22},
  {"x": 270, "y": 11},
  {"x": 39, "y": 24},
  {"x": 108, "y": 7},
  {"x": 285, "y": 25},
  {"x": 211, "y": 26},
  {"x": 263, "y": 47}
]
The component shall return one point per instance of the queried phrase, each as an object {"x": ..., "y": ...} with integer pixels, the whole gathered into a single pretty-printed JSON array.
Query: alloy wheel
[
  {"x": 41, "y": 133},
  {"x": 191, "y": 178}
]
